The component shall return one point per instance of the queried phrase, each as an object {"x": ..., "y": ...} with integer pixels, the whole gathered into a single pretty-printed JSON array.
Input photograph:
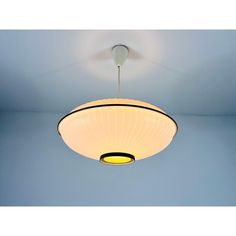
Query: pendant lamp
[{"x": 117, "y": 131}]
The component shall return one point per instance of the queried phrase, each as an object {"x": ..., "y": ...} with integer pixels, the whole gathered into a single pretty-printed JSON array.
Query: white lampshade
[{"x": 117, "y": 131}]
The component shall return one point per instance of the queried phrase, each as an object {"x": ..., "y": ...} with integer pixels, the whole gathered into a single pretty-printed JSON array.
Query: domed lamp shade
[{"x": 117, "y": 131}]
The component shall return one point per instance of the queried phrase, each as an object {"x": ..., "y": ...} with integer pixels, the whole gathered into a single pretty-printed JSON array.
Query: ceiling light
[{"x": 117, "y": 131}]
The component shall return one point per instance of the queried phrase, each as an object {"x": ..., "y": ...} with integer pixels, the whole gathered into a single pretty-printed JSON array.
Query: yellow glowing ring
[{"x": 117, "y": 158}]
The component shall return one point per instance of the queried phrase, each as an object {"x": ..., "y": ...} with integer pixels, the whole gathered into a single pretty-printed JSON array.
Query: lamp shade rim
[
  {"x": 129, "y": 158},
  {"x": 117, "y": 105}
]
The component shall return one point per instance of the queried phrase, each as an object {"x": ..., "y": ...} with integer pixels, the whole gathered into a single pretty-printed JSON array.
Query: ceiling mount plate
[{"x": 120, "y": 54}]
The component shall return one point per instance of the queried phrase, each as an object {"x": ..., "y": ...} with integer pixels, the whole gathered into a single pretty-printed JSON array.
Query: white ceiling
[{"x": 183, "y": 72}]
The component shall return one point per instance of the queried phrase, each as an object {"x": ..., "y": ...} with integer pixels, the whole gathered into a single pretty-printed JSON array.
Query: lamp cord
[{"x": 118, "y": 81}]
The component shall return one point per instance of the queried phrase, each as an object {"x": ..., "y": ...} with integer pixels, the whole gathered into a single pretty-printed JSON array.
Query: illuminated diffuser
[{"x": 117, "y": 131}]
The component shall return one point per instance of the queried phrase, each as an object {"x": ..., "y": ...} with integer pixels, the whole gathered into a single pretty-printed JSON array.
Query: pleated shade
[{"x": 117, "y": 125}]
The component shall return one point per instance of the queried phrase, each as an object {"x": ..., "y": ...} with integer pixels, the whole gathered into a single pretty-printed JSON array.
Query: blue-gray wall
[{"x": 36, "y": 168}]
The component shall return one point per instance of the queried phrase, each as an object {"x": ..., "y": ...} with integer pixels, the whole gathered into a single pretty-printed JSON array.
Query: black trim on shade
[
  {"x": 123, "y": 154},
  {"x": 120, "y": 105}
]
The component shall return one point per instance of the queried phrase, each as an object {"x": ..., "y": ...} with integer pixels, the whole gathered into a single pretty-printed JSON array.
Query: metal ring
[
  {"x": 123, "y": 154},
  {"x": 122, "y": 105}
]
